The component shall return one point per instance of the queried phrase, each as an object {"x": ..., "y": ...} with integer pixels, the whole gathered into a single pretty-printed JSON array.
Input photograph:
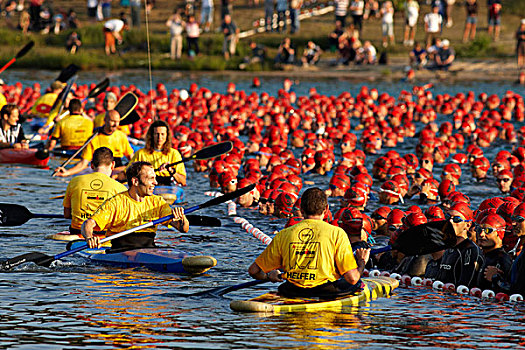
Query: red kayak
[{"x": 23, "y": 156}]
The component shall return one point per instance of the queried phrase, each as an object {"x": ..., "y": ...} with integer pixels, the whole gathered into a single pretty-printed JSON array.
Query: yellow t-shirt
[
  {"x": 73, "y": 130},
  {"x": 43, "y": 105},
  {"x": 85, "y": 193},
  {"x": 121, "y": 213},
  {"x": 3, "y": 100},
  {"x": 117, "y": 142},
  {"x": 99, "y": 121},
  {"x": 158, "y": 158},
  {"x": 311, "y": 253}
]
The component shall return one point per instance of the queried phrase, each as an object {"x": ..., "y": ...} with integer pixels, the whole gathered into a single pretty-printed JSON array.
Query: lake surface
[{"x": 77, "y": 306}]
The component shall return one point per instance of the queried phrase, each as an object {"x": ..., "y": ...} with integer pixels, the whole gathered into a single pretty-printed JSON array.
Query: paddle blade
[
  {"x": 25, "y": 49},
  {"x": 125, "y": 105},
  {"x": 132, "y": 117},
  {"x": 37, "y": 258},
  {"x": 213, "y": 151},
  {"x": 202, "y": 220},
  {"x": 68, "y": 72},
  {"x": 227, "y": 196},
  {"x": 13, "y": 214},
  {"x": 426, "y": 238},
  {"x": 100, "y": 88}
]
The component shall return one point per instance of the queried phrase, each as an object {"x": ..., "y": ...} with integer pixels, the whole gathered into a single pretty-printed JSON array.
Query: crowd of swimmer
[
  {"x": 487, "y": 236},
  {"x": 488, "y": 252}
]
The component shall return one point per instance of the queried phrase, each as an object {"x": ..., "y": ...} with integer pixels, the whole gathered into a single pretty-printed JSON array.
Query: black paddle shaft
[
  {"x": 16, "y": 215},
  {"x": 207, "y": 153}
]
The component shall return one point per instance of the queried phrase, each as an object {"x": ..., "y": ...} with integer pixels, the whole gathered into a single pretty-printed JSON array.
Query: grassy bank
[{"x": 50, "y": 52}]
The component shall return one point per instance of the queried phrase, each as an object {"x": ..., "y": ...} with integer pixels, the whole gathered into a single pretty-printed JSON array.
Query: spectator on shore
[
  {"x": 367, "y": 54},
  {"x": 58, "y": 23},
  {"x": 92, "y": 10},
  {"x": 520, "y": 44},
  {"x": 445, "y": 56},
  {"x": 226, "y": 8},
  {"x": 285, "y": 53},
  {"x": 448, "y": 5},
  {"x": 281, "y": 7},
  {"x": 341, "y": 10},
  {"x": 432, "y": 52},
  {"x": 8, "y": 11},
  {"x": 189, "y": 8},
  {"x": 112, "y": 32},
  {"x": 231, "y": 32},
  {"x": 295, "y": 10},
  {"x": 418, "y": 56},
  {"x": 268, "y": 14},
  {"x": 106, "y": 8},
  {"x": 135, "y": 6},
  {"x": 411, "y": 16},
  {"x": 258, "y": 55},
  {"x": 176, "y": 26},
  {"x": 24, "y": 22},
  {"x": 494, "y": 19},
  {"x": 311, "y": 54},
  {"x": 433, "y": 22},
  {"x": 206, "y": 15},
  {"x": 387, "y": 23},
  {"x": 333, "y": 37},
  {"x": 471, "y": 7},
  {"x": 192, "y": 36},
  {"x": 348, "y": 43},
  {"x": 357, "y": 9},
  {"x": 150, "y": 4},
  {"x": 73, "y": 42},
  {"x": 371, "y": 9},
  {"x": 72, "y": 19},
  {"x": 46, "y": 18}
]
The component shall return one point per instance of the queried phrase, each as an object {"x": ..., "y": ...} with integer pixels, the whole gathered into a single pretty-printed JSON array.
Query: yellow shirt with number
[
  {"x": 117, "y": 142},
  {"x": 3, "y": 100},
  {"x": 99, "y": 121},
  {"x": 85, "y": 193},
  {"x": 311, "y": 253},
  {"x": 73, "y": 130},
  {"x": 158, "y": 158},
  {"x": 121, "y": 213},
  {"x": 43, "y": 105}
]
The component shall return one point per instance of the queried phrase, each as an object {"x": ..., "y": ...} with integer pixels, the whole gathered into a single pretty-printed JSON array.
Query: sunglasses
[
  {"x": 503, "y": 179},
  {"x": 487, "y": 230},
  {"x": 392, "y": 228},
  {"x": 376, "y": 216},
  {"x": 418, "y": 176},
  {"x": 455, "y": 219},
  {"x": 263, "y": 200},
  {"x": 518, "y": 218},
  {"x": 426, "y": 161}
]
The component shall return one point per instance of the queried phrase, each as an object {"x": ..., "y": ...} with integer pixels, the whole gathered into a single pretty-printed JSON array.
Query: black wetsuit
[
  {"x": 500, "y": 259},
  {"x": 517, "y": 279},
  {"x": 460, "y": 265},
  {"x": 432, "y": 270}
]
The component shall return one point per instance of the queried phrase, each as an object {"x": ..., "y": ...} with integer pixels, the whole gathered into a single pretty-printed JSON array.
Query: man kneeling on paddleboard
[
  {"x": 136, "y": 206},
  {"x": 316, "y": 257}
]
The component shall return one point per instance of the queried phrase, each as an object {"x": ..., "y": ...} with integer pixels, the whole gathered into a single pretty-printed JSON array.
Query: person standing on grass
[
  {"x": 411, "y": 16},
  {"x": 341, "y": 10},
  {"x": 520, "y": 44},
  {"x": 192, "y": 36},
  {"x": 206, "y": 15},
  {"x": 176, "y": 26},
  {"x": 471, "y": 21},
  {"x": 268, "y": 14},
  {"x": 433, "y": 22},
  {"x": 135, "y": 6},
  {"x": 357, "y": 8},
  {"x": 230, "y": 31},
  {"x": 387, "y": 23},
  {"x": 282, "y": 6},
  {"x": 494, "y": 19},
  {"x": 295, "y": 9},
  {"x": 112, "y": 32}
]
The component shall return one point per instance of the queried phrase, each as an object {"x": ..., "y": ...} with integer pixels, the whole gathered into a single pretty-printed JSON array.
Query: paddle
[
  {"x": 46, "y": 260},
  {"x": 206, "y": 153},
  {"x": 16, "y": 215},
  {"x": 67, "y": 73},
  {"x": 20, "y": 54},
  {"x": 124, "y": 107}
]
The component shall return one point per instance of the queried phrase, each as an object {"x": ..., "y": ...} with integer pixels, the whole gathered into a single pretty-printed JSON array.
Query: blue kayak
[{"x": 163, "y": 259}]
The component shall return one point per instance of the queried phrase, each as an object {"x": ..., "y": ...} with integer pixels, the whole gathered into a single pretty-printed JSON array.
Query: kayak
[
  {"x": 375, "y": 287},
  {"x": 171, "y": 194},
  {"x": 164, "y": 259},
  {"x": 22, "y": 156}
]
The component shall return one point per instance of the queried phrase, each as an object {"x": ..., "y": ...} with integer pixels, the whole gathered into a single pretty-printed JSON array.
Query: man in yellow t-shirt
[
  {"x": 110, "y": 101},
  {"x": 73, "y": 130},
  {"x": 159, "y": 153},
  {"x": 108, "y": 137},
  {"x": 313, "y": 254},
  {"x": 133, "y": 208},
  {"x": 85, "y": 193},
  {"x": 43, "y": 104}
]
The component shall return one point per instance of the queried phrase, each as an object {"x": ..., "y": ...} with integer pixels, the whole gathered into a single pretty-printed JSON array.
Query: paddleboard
[
  {"x": 163, "y": 259},
  {"x": 375, "y": 287}
]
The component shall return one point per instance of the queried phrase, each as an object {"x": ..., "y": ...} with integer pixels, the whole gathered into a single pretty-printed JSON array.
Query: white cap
[
  {"x": 2, "y": 82},
  {"x": 523, "y": 21},
  {"x": 445, "y": 42},
  {"x": 183, "y": 94}
]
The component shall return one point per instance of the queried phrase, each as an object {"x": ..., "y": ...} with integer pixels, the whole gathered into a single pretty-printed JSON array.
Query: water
[{"x": 73, "y": 305}]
